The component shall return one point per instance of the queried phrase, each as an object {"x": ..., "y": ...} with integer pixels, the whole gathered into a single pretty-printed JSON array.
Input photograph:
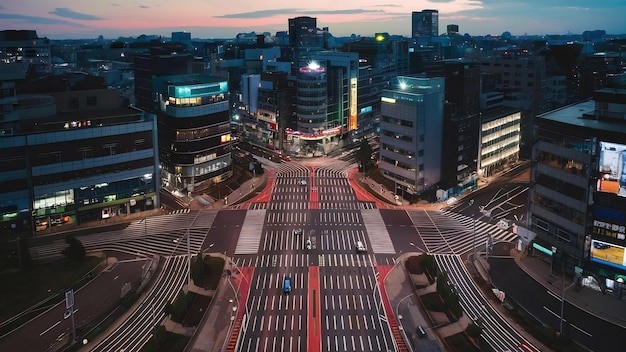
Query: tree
[
  {"x": 25, "y": 260},
  {"x": 364, "y": 155},
  {"x": 75, "y": 249}
]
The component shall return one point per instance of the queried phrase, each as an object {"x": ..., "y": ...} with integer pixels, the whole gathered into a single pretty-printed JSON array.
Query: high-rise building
[
  {"x": 461, "y": 122},
  {"x": 303, "y": 32},
  {"x": 411, "y": 131},
  {"x": 424, "y": 26},
  {"x": 381, "y": 59},
  {"x": 193, "y": 119},
  {"x": 326, "y": 101},
  {"x": 578, "y": 188}
]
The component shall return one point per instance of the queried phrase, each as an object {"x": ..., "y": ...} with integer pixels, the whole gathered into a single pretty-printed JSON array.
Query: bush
[
  {"x": 474, "y": 330},
  {"x": 197, "y": 270},
  {"x": 413, "y": 265},
  {"x": 75, "y": 249},
  {"x": 430, "y": 265},
  {"x": 178, "y": 309},
  {"x": 449, "y": 295}
]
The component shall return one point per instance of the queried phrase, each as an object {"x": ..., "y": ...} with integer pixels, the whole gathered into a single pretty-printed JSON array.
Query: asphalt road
[
  {"x": 92, "y": 302},
  {"x": 590, "y": 330}
]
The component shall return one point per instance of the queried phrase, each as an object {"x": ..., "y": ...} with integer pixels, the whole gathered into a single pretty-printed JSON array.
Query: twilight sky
[{"x": 70, "y": 19}]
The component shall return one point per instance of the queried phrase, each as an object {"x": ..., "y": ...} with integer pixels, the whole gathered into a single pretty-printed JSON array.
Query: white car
[
  {"x": 360, "y": 248},
  {"x": 303, "y": 182},
  {"x": 451, "y": 200}
]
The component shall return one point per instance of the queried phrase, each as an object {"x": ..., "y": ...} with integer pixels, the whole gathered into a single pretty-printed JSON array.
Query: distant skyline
[{"x": 65, "y": 19}]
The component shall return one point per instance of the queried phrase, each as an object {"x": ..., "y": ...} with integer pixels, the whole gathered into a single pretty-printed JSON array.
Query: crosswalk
[
  {"x": 159, "y": 235},
  {"x": 289, "y": 206},
  {"x": 446, "y": 232},
  {"x": 250, "y": 236},
  {"x": 377, "y": 232},
  {"x": 498, "y": 234},
  {"x": 304, "y": 260}
]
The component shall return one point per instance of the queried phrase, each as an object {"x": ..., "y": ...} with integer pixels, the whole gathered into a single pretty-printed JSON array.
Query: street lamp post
[{"x": 471, "y": 203}]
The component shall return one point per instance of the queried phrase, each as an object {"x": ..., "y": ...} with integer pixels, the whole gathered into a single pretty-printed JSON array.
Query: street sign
[{"x": 69, "y": 299}]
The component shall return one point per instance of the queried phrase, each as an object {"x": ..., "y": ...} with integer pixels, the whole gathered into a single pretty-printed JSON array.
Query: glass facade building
[{"x": 194, "y": 130}]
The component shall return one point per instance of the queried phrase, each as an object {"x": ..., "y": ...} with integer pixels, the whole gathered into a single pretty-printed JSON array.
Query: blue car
[{"x": 287, "y": 285}]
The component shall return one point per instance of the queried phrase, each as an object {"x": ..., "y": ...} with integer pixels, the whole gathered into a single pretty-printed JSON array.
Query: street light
[
  {"x": 471, "y": 203},
  {"x": 176, "y": 240}
]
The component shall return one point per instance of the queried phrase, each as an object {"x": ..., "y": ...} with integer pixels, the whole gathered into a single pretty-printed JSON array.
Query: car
[
  {"x": 287, "y": 285},
  {"x": 360, "y": 248},
  {"x": 451, "y": 200},
  {"x": 298, "y": 232},
  {"x": 308, "y": 244},
  {"x": 601, "y": 245},
  {"x": 302, "y": 182}
]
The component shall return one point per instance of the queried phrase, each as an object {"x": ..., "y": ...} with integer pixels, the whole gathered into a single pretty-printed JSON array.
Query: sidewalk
[
  {"x": 213, "y": 330},
  {"x": 607, "y": 306}
]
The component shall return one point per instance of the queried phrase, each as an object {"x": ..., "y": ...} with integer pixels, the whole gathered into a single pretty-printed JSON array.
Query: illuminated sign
[
  {"x": 313, "y": 67},
  {"x": 608, "y": 254},
  {"x": 365, "y": 110},
  {"x": 609, "y": 229},
  {"x": 198, "y": 90},
  {"x": 352, "y": 123},
  {"x": 388, "y": 100},
  {"x": 76, "y": 124},
  {"x": 612, "y": 168}
]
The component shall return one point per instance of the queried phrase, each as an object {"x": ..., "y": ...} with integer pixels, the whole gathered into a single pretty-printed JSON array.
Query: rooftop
[{"x": 583, "y": 115}]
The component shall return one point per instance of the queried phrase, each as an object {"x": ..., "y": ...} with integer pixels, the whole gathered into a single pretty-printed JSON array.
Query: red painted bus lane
[
  {"x": 242, "y": 282},
  {"x": 314, "y": 333},
  {"x": 383, "y": 270}
]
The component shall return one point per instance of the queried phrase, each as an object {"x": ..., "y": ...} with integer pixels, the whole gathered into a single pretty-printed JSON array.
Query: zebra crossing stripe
[{"x": 251, "y": 231}]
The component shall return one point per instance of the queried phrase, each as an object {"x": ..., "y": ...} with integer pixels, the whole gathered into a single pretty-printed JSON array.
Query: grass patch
[{"x": 32, "y": 285}]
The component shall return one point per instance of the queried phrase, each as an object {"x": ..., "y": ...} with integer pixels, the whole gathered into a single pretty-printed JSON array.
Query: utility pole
[{"x": 471, "y": 203}]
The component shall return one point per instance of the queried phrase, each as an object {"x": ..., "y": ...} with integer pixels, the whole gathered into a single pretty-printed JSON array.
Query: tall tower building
[
  {"x": 303, "y": 32},
  {"x": 411, "y": 130},
  {"x": 193, "y": 119},
  {"x": 424, "y": 25}
]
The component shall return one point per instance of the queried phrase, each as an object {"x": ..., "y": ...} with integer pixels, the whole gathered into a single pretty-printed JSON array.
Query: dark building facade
[
  {"x": 94, "y": 161},
  {"x": 424, "y": 26},
  {"x": 192, "y": 109},
  {"x": 578, "y": 188},
  {"x": 461, "y": 123}
]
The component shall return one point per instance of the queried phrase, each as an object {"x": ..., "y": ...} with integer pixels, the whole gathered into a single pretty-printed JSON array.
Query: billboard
[
  {"x": 607, "y": 254},
  {"x": 612, "y": 168}
]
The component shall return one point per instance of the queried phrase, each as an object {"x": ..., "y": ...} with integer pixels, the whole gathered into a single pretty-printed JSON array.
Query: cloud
[
  {"x": 144, "y": 6},
  {"x": 295, "y": 11},
  {"x": 38, "y": 20},
  {"x": 386, "y": 5},
  {"x": 65, "y": 12}
]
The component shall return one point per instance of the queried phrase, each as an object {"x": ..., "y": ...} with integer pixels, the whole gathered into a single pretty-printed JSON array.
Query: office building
[
  {"x": 194, "y": 131},
  {"x": 411, "y": 131},
  {"x": 499, "y": 140},
  {"x": 25, "y": 47},
  {"x": 326, "y": 102},
  {"x": 424, "y": 26},
  {"x": 578, "y": 188},
  {"x": 303, "y": 32},
  {"x": 461, "y": 123},
  {"x": 193, "y": 120},
  {"x": 75, "y": 156}
]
